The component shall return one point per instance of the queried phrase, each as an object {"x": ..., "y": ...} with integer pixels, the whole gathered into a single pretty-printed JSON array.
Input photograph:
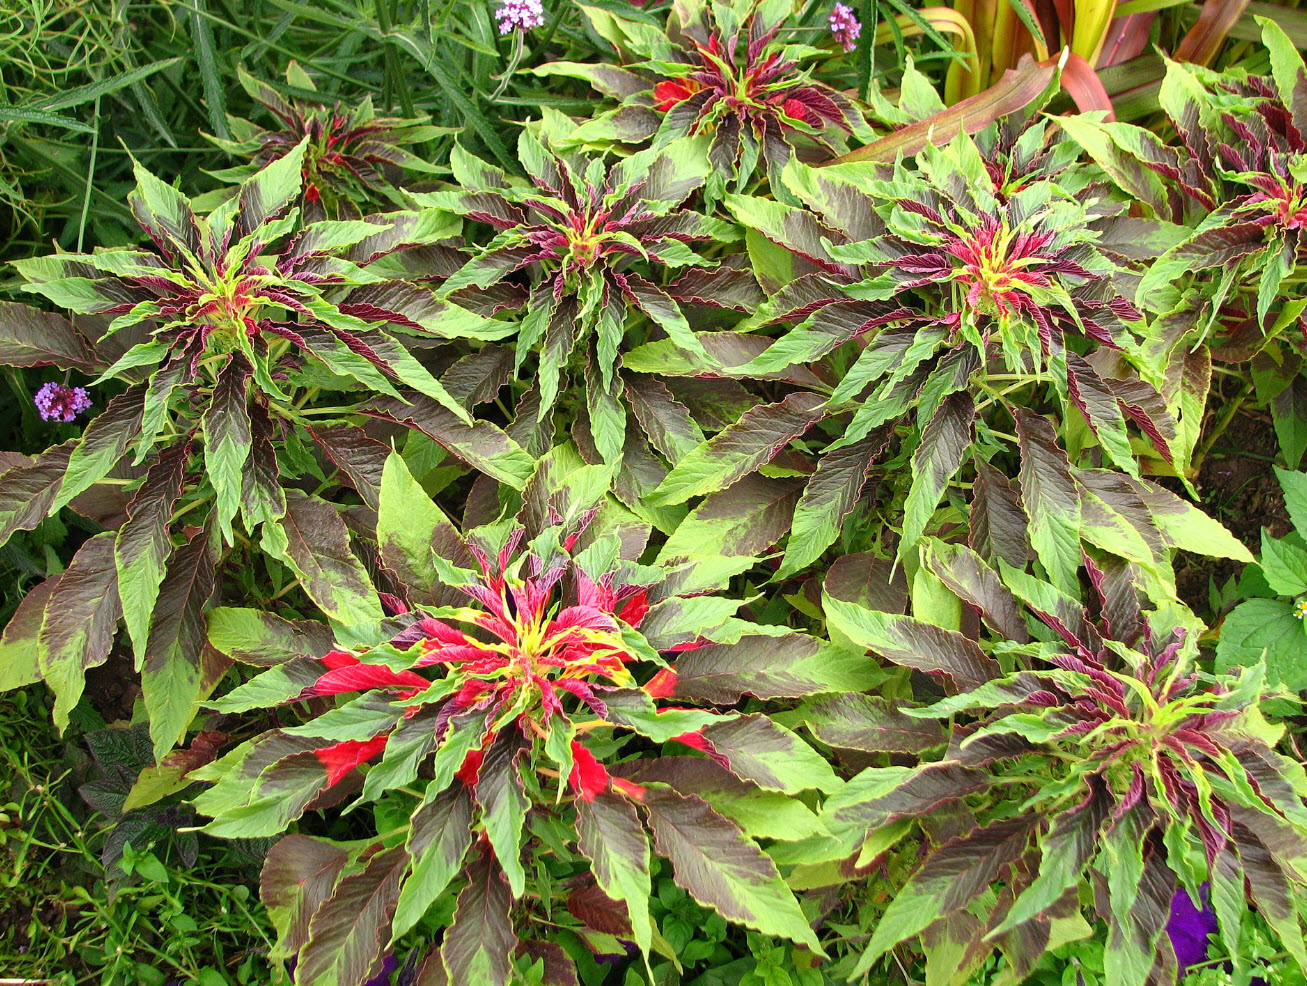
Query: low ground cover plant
[{"x": 687, "y": 493}]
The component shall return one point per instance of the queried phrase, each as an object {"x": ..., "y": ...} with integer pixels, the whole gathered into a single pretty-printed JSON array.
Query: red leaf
[
  {"x": 589, "y": 777},
  {"x": 340, "y": 758},
  {"x": 359, "y": 677}
]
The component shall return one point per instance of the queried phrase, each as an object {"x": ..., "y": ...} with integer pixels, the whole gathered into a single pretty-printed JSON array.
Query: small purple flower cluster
[
  {"x": 844, "y": 26},
  {"x": 520, "y": 15},
  {"x": 59, "y": 402}
]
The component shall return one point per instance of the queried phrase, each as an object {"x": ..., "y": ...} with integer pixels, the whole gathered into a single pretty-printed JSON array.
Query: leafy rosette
[
  {"x": 498, "y": 720},
  {"x": 976, "y": 301},
  {"x": 353, "y": 159},
  {"x": 579, "y": 246},
  {"x": 224, "y": 336},
  {"x": 1104, "y": 756},
  {"x": 1237, "y": 178},
  {"x": 724, "y": 70}
]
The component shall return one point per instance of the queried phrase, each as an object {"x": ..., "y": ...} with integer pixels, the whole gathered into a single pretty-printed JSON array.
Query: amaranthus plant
[
  {"x": 1236, "y": 181},
  {"x": 592, "y": 243},
  {"x": 224, "y": 334},
  {"x": 722, "y": 69},
  {"x": 1084, "y": 748},
  {"x": 966, "y": 293},
  {"x": 492, "y": 720},
  {"x": 353, "y": 159}
]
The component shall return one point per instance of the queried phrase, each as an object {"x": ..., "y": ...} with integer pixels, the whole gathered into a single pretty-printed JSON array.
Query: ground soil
[{"x": 1237, "y": 486}]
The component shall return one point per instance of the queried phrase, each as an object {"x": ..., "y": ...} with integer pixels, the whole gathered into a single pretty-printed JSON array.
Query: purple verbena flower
[
  {"x": 521, "y": 15},
  {"x": 844, "y": 26},
  {"x": 1189, "y": 927},
  {"x": 59, "y": 402}
]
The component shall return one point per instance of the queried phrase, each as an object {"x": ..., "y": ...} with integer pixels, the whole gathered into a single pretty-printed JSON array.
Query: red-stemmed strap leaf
[
  {"x": 479, "y": 945},
  {"x": 350, "y": 930},
  {"x": 721, "y": 868},
  {"x": 1019, "y": 87}
]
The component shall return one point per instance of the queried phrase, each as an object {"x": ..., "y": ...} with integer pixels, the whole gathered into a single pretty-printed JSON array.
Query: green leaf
[
  {"x": 1070, "y": 846},
  {"x": 766, "y": 753},
  {"x": 437, "y": 842},
  {"x": 103, "y": 443},
  {"x": 912, "y": 643},
  {"x": 173, "y": 684},
  {"x": 1188, "y": 528},
  {"x": 610, "y": 835},
  {"x": 351, "y": 928},
  {"x": 740, "y": 448},
  {"x": 80, "y": 95},
  {"x": 1269, "y": 627},
  {"x": 830, "y": 496},
  {"x": 20, "y": 659},
  {"x": 80, "y": 621},
  {"x": 317, "y": 548},
  {"x": 227, "y": 439},
  {"x": 1294, "y": 485},
  {"x": 298, "y": 876},
  {"x": 503, "y": 802},
  {"x": 951, "y": 877},
  {"x": 411, "y": 528},
  {"x": 790, "y": 666},
  {"x": 30, "y": 337},
  {"x": 252, "y": 636},
  {"x": 866, "y": 722},
  {"x": 944, "y": 441},
  {"x": 745, "y": 519},
  {"x": 478, "y": 946},
  {"x": 1284, "y": 563},
  {"x": 1049, "y": 495},
  {"x": 721, "y": 868},
  {"x": 483, "y": 445},
  {"x": 143, "y": 544}
]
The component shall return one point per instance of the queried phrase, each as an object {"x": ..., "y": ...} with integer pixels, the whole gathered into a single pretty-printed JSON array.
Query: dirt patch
[
  {"x": 1237, "y": 486},
  {"x": 112, "y": 688}
]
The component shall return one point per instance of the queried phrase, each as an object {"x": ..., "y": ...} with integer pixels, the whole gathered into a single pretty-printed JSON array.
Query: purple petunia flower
[
  {"x": 388, "y": 967},
  {"x": 521, "y": 15},
  {"x": 1188, "y": 927},
  {"x": 59, "y": 402},
  {"x": 844, "y": 26}
]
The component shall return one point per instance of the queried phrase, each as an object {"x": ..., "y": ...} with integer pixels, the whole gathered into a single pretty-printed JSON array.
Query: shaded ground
[{"x": 1237, "y": 486}]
